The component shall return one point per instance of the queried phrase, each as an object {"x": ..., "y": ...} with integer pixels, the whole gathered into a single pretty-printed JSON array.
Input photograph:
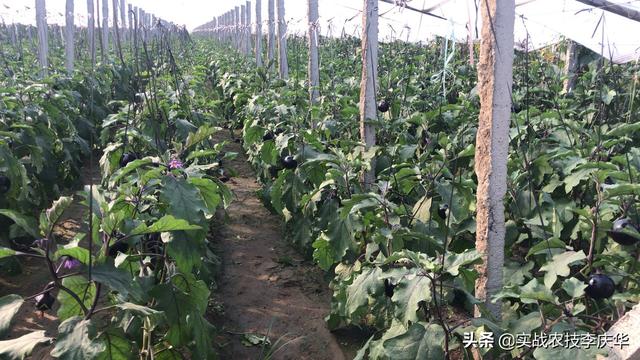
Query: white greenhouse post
[
  {"x": 495, "y": 77},
  {"x": 123, "y": 20},
  {"x": 214, "y": 29},
  {"x": 117, "y": 45},
  {"x": 91, "y": 31},
  {"x": 258, "y": 33},
  {"x": 221, "y": 27},
  {"x": 247, "y": 30},
  {"x": 368, "y": 109},
  {"x": 314, "y": 72},
  {"x": 153, "y": 20},
  {"x": 30, "y": 36},
  {"x": 229, "y": 24},
  {"x": 570, "y": 66},
  {"x": 282, "y": 42},
  {"x": 236, "y": 17},
  {"x": 223, "y": 30},
  {"x": 271, "y": 39},
  {"x": 105, "y": 29},
  {"x": 131, "y": 24},
  {"x": 12, "y": 34},
  {"x": 143, "y": 31},
  {"x": 243, "y": 25},
  {"x": 224, "y": 27},
  {"x": 43, "y": 41},
  {"x": 69, "y": 32},
  {"x": 231, "y": 27}
]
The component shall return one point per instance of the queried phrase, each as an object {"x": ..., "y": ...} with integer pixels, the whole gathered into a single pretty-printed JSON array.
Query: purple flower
[
  {"x": 175, "y": 164},
  {"x": 70, "y": 263}
]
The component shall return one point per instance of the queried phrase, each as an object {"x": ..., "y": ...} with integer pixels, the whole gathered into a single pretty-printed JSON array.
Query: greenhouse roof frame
[{"x": 606, "y": 27}]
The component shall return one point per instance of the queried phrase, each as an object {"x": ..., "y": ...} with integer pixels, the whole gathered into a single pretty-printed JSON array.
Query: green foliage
[
  {"x": 9, "y": 306},
  {"x": 401, "y": 251},
  {"x": 19, "y": 348},
  {"x": 144, "y": 284}
]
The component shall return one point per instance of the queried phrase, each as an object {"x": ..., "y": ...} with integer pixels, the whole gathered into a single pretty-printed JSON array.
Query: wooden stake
[
  {"x": 105, "y": 30},
  {"x": 237, "y": 27},
  {"x": 258, "y": 33},
  {"x": 69, "y": 32},
  {"x": 314, "y": 72},
  {"x": 243, "y": 25},
  {"x": 282, "y": 42},
  {"x": 123, "y": 20},
  {"x": 116, "y": 30},
  {"x": 368, "y": 107},
  {"x": 570, "y": 66},
  {"x": 91, "y": 28},
  {"x": 271, "y": 39},
  {"x": 495, "y": 78},
  {"x": 132, "y": 25},
  {"x": 43, "y": 40},
  {"x": 247, "y": 29}
]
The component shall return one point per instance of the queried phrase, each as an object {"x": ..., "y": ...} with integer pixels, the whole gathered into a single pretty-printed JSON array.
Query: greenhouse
[{"x": 319, "y": 179}]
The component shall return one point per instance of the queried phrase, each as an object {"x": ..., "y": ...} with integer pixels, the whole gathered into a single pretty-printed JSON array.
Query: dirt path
[
  {"x": 265, "y": 286},
  {"x": 35, "y": 275}
]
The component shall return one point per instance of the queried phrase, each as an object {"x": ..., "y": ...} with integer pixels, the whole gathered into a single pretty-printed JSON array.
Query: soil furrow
[{"x": 266, "y": 287}]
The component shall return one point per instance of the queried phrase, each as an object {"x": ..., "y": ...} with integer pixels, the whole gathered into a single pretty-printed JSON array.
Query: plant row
[
  {"x": 401, "y": 251},
  {"x": 135, "y": 282}
]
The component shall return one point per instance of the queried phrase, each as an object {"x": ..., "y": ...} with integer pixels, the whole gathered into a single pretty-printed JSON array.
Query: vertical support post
[
  {"x": 258, "y": 33},
  {"x": 236, "y": 27},
  {"x": 105, "y": 30},
  {"x": 30, "y": 36},
  {"x": 570, "y": 66},
  {"x": 69, "y": 32},
  {"x": 116, "y": 30},
  {"x": 153, "y": 20},
  {"x": 12, "y": 34},
  {"x": 243, "y": 25},
  {"x": 43, "y": 41},
  {"x": 314, "y": 72},
  {"x": 91, "y": 31},
  {"x": 230, "y": 28},
  {"x": 131, "y": 23},
  {"x": 248, "y": 45},
  {"x": 123, "y": 20},
  {"x": 141, "y": 24},
  {"x": 271, "y": 38},
  {"x": 223, "y": 34},
  {"x": 368, "y": 108},
  {"x": 282, "y": 42},
  {"x": 225, "y": 28},
  {"x": 495, "y": 78}
]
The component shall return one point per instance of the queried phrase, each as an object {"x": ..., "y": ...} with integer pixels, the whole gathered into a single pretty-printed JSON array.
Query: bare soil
[{"x": 266, "y": 288}]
